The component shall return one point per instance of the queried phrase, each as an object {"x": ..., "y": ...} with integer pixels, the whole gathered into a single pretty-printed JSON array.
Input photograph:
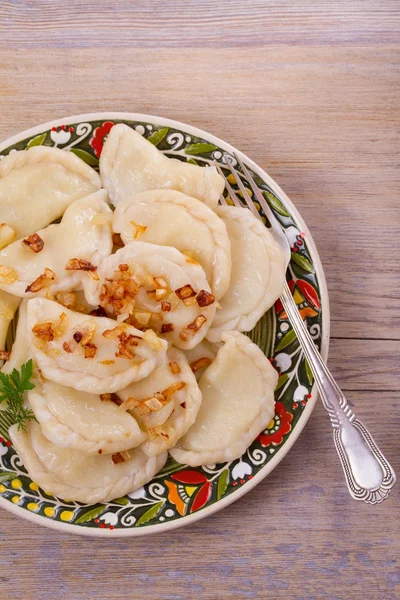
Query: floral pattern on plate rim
[{"x": 178, "y": 491}]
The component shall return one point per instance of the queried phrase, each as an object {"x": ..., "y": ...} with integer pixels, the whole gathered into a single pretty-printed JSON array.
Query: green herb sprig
[{"x": 12, "y": 388}]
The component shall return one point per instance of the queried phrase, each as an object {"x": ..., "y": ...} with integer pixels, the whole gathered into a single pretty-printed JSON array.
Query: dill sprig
[{"x": 12, "y": 388}]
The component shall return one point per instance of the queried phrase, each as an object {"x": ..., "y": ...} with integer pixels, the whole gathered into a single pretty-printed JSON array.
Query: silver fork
[{"x": 369, "y": 476}]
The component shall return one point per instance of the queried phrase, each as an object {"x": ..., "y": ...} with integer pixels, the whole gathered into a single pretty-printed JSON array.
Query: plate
[{"x": 180, "y": 495}]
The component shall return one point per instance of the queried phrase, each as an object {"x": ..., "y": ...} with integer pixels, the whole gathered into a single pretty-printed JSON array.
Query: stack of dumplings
[{"x": 131, "y": 308}]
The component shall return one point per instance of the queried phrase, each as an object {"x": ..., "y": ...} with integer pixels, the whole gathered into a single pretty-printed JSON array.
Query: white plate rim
[{"x": 282, "y": 452}]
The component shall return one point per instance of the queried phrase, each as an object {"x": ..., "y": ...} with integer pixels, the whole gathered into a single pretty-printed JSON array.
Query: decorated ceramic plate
[{"x": 180, "y": 495}]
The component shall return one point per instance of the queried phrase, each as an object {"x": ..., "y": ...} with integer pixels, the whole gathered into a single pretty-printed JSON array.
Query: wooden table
[{"x": 310, "y": 90}]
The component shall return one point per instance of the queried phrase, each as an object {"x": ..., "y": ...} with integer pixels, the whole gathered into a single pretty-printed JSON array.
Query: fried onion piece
[
  {"x": 174, "y": 368},
  {"x": 43, "y": 281},
  {"x": 111, "y": 398},
  {"x": 118, "y": 294},
  {"x": 200, "y": 363},
  {"x": 192, "y": 328},
  {"x": 34, "y": 242},
  {"x": 204, "y": 298},
  {"x": 79, "y": 264},
  {"x": 44, "y": 331},
  {"x": 8, "y": 275},
  {"x": 185, "y": 292},
  {"x": 139, "y": 229}
]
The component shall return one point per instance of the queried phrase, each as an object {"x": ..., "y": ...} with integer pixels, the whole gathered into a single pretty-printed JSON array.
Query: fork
[{"x": 368, "y": 474}]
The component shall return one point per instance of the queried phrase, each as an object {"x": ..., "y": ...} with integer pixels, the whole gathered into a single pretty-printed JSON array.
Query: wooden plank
[
  {"x": 310, "y": 91},
  {"x": 365, "y": 364},
  {"x": 297, "y": 535},
  {"x": 187, "y": 23}
]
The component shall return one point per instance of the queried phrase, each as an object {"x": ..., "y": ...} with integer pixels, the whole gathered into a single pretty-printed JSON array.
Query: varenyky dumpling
[
  {"x": 54, "y": 258},
  {"x": 201, "y": 356},
  {"x": 88, "y": 353},
  {"x": 130, "y": 164},
  {"x": 37, "y": 185},
  {"x": 238, "y": 403},
  {"x": 158, "y": 287},
  {"x": 258, "y": 273},
  {"x": 90, "y": 423},
  {"x": 165, "y": 404},
  {"x": 170, "y": 218},
  {"x": 8, "y": 308},
  {"x": 73, "y": 475},
  {"x": 20, "y": 352}
]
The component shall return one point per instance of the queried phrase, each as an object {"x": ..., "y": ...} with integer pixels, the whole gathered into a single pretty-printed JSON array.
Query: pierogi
[
  {"x": 73, "y": 475},
  {"x": 237, "y": 404},
  {"x": 158, "y": 287},
  {"x": 88, "y": 353},
  {"x": 258, "y": 273},
  {"x": 90, "y": 423},
  {"x": 130, "y": 164},
  {"x": 37, "y": 185},
  {"x": 170, "y": 218},
  {"x": 165, "y": 404},
  {"x": 53, "y": 259}
]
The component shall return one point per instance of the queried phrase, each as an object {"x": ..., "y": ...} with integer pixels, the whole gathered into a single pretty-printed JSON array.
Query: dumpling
[
  {"x": 75, "y": 476},
  {"x": 157, "y": 287},
  {"x": 90, "y": 423},
  {"x": 90, "y": 354},
  {"x": 170, "y": 218},
  {"x": 8, "y": 308},
  {"x": 37, "y": 185},
  {"x": 54, "y": 258},
  {"x": 166, "y": 403},
  {"x": 20, "y": 350},
  {"x": 238, "y": 403},
  {"x": 258, "y": 273},
  {"x": 201, "y": 357},
  {"x": 130, "y": 164}
]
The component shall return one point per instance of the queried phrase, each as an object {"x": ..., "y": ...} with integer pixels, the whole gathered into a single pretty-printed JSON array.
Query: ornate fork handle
[{"x": 368, "y": 474}]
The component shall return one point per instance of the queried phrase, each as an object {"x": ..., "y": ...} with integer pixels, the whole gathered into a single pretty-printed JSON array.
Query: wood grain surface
[{"x": 310, "y": 91}]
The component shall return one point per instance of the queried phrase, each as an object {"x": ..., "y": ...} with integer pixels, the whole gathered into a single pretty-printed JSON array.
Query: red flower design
[
  {"x": 190, "y": 484},
  {"x": 303, "y": 293},
  {"x": 190, "y": 477},
  {"x": 99, "y": 135},
  {"x": 201, "y": 497},
  {"x": 309, "y": 292},
  {"x": 275, "y": 436}
]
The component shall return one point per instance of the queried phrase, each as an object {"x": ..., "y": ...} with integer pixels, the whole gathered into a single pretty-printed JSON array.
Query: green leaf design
[
  {"x": 122, "y": 501},
  {"x": 281, "y": 382},
  {"x": 91, "y": 514},
  {"x": 89, "y": 159},
  {"x": 150, "y": 514},
  {"x": 310, "y": 376},
  {"x": 37, "y": 141},
  {"x": 157, "y": 136},
  {"x": 222, "y": 483},
  {"x": 302, "y": 262},
  {"x": 202, "y": 148},
  {"x": 191, "y": 161},
  {"x": 287, "y": 339},
  {"x": 276, "y": 204},
  {"x": 6, "y": 476}
]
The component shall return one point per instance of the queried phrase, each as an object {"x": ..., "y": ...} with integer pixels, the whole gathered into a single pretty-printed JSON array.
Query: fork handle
[{"x": 369, "y": 476}]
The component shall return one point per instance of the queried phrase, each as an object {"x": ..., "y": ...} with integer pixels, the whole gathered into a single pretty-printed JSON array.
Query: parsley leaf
[{"x": 12, "y": 388}]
